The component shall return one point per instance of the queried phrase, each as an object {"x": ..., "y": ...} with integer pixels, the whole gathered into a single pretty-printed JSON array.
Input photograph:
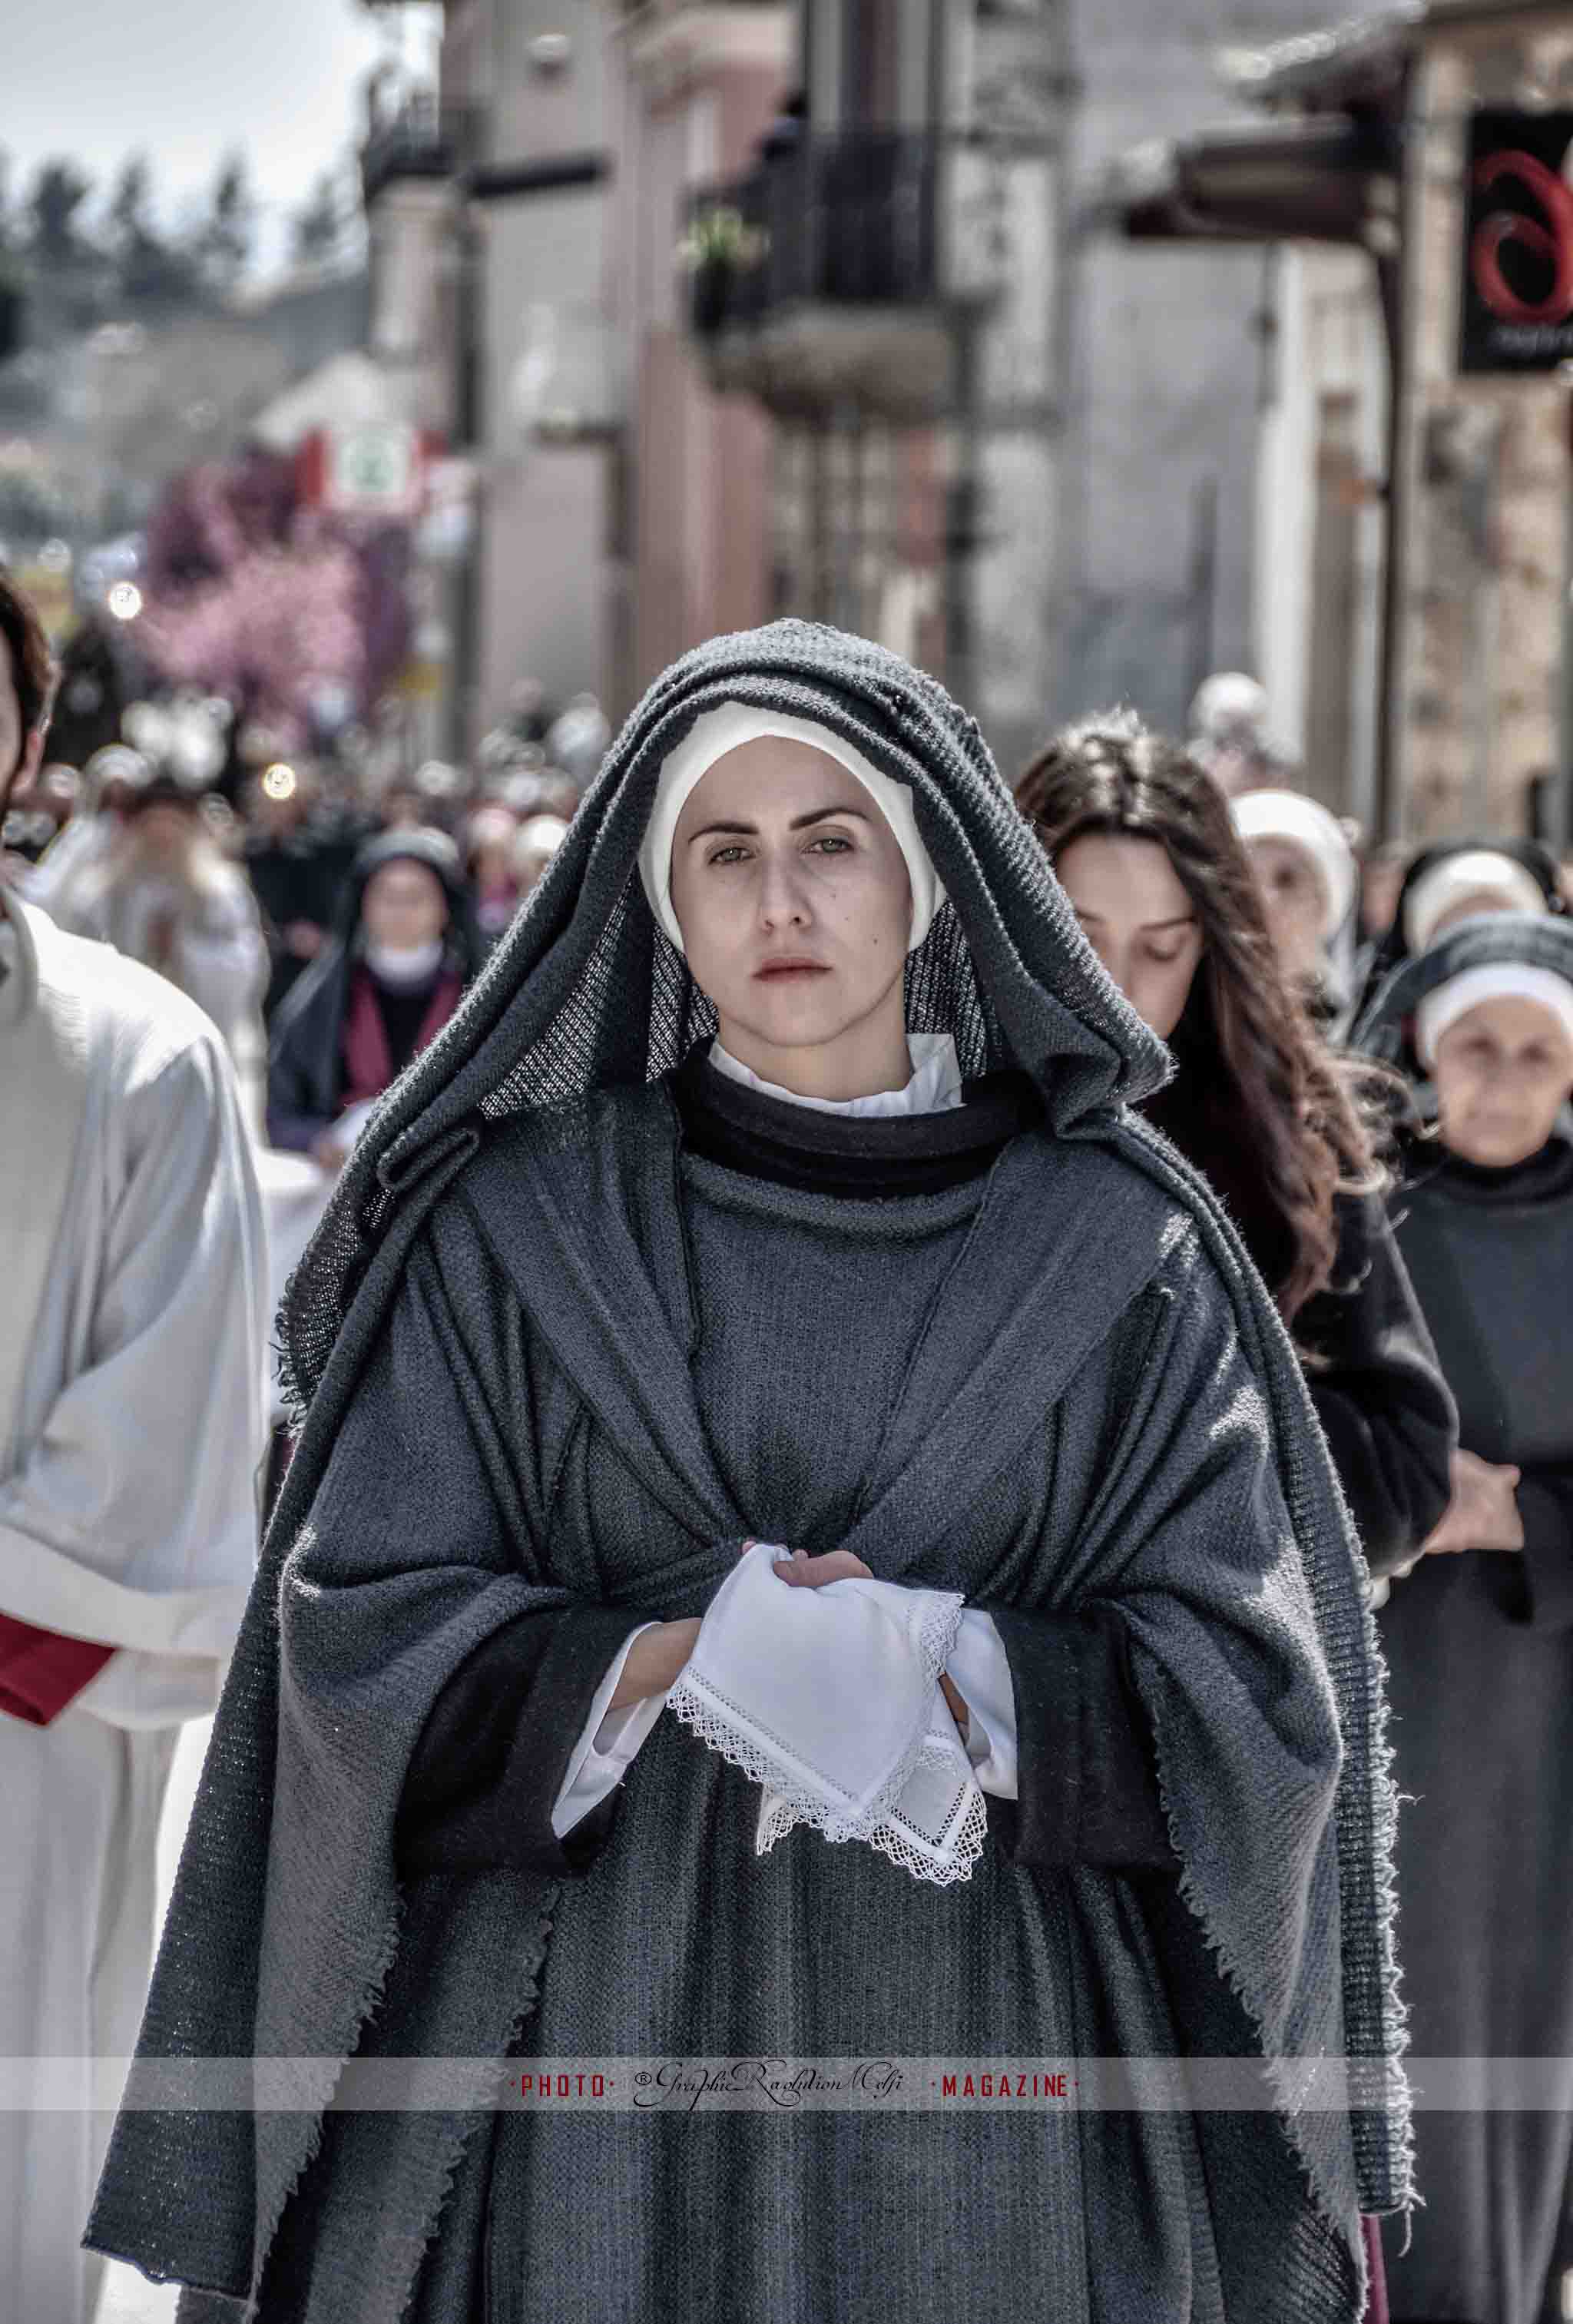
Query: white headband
[
  {"x": 1498, "y": 980},
  {"x": 1305, "y": 824},
  {"x": 717, "y": 731},
  {"x": 1479, "y": 871}
]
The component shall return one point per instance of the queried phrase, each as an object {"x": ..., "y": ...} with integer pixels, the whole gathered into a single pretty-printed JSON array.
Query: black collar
[{"x": 869, "y": 1156}]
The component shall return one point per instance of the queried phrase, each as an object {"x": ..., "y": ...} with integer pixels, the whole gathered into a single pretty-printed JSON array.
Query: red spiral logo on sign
[{"x": 1553, "y": 240}]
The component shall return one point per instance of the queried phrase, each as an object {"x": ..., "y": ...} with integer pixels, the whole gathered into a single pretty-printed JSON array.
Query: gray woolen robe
[
  {"x": 1480, "y": 1646},
  {"x": 553, "y": 1365}
]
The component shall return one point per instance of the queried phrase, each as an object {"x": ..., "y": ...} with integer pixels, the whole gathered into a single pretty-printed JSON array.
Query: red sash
[
  {"x": 367, "y": 1061},
  {"x": 41, "y": 1671}
]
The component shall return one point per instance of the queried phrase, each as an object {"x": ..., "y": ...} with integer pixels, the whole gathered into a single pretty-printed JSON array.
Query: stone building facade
[{"x": 1413, "y": 613}]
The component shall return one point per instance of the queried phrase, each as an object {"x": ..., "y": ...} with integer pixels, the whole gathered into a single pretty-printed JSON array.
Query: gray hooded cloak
[{"x": 528, "y": 1339}]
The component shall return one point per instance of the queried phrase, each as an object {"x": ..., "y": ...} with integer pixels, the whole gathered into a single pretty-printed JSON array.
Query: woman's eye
[
  {"x": 727, "y": 855},
  {"x": 834, "y": 842},
  {"x": 1165, "y": 957}
]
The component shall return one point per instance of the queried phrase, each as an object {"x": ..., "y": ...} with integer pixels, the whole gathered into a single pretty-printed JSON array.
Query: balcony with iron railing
[
  {"x": 418, "y": 137},
  {"x": 815, "y": 279}
]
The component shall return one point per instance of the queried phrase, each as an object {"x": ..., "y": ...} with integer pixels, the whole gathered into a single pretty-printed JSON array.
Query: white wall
[{"x": 1330, "y": 341}]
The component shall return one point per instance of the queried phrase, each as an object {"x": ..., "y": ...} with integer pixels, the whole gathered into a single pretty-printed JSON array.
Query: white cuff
[
  {"x": 978, "y": 1664},
  {"x": 607, "y": 1746}
]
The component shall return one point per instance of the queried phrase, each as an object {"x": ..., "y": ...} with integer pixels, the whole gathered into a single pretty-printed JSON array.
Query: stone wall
[{"x": 1483, "y": 507}]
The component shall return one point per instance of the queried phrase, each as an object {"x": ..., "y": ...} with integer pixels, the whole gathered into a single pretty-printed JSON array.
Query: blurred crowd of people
[{"x": 325, "y": 925}]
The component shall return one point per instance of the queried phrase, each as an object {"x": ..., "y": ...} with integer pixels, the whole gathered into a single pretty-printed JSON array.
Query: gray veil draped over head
[{"x": 289, "y": 1933}]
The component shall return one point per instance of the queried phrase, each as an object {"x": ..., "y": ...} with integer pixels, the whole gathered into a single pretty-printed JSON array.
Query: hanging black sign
[{"x": 1517, "y": 304}]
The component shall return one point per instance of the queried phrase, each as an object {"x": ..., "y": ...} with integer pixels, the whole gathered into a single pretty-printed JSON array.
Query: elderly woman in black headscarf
[
  {"x": 1478, "y": 1631},
  {"x": 1446, "y": 884},
  {"x": 405, "y": 948},
  {"x": 776, "y": 1191}
]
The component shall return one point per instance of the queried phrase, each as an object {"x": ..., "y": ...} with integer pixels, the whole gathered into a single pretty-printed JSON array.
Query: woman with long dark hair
[
  {"x": 774, "y": 1190},
  {"x": 1146, "y": 847}
]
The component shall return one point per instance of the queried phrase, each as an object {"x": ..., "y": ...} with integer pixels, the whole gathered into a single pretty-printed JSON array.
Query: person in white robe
[{"x": 132, "y": 1424}]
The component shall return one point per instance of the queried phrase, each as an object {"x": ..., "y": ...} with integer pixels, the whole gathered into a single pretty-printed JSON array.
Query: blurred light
[
  {"x": 280, "y": 782},
  {"x": 55, "y": 556},
  {"x": 124, "y": 601}
]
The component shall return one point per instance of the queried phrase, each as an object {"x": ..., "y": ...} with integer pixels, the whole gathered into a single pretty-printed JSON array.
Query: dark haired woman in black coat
[{"x": 1143, "y": 842}]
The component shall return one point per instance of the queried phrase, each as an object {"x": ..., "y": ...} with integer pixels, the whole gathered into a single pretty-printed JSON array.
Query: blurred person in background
[
  {"x": 539, "y": 838},
  {"x": 104, "y": 789},
  {"x": 36, "y": 818},
  {"x": 1142, "y": 843},
  {"x": 297, "y": 852},
  {"x": 529, "y": 719},
  {"x": 131, "y": 1425},
  {"x": 559, "y": 794},
  {"x": 1310, "y": 883},
  {"x": 163, "y": 892},
  {"x": 576, "y": 740},
  {"x": 1230, "y": 735},
  {"x": 432, "y": 799},
  {"x": 490, "y": 838},
  {"x": 1454, "y": 880},
  {"x": 1478, "y": 1630},
  {"x": 1382, "y": 876},
  {"x": 405, "y": 948},
  {"x": 398, "y": 806},
  {"x": 538, "y": 791}
]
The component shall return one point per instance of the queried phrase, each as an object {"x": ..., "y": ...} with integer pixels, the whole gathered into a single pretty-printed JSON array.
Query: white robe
[{"x": 131, "y": 1427}]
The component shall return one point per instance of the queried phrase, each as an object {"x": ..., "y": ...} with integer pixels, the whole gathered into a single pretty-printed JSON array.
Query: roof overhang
[
  {"x": 1324, "y": 180},
  {"x": 1362, "y": 60}
]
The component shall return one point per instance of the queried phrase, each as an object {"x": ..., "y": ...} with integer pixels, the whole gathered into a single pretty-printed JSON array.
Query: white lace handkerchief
[{"x": 829, "y": 1699}]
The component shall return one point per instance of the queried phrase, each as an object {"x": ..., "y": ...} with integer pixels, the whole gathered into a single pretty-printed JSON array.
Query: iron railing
[{"x": 848, "y": 220}]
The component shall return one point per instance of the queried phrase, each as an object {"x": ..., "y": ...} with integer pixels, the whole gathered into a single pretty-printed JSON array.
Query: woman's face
[
  {"x": 1139, "y": 920},
  {"x": 1501, "y": 1072},
  {"x": 404, "y": 907},
  {"x": 1294, "y": 903},
  {"x": 795, "y": 904}
]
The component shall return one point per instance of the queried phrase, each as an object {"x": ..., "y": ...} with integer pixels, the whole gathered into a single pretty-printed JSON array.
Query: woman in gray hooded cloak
[{"x": 591, "y": 1322}]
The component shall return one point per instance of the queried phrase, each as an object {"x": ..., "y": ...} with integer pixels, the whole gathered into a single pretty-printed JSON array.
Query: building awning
[
  {"x": 1360, "y": 62},
  {"x": 1318, "y": 180}
]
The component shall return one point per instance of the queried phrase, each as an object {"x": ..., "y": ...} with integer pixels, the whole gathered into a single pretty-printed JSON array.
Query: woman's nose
[{"x": 782, "y": 895}]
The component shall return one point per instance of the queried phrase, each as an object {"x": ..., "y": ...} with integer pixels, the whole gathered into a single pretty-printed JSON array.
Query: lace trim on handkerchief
[
  {"x": 702, "y": 1707},
  {"x": 935, "y": 1828}
]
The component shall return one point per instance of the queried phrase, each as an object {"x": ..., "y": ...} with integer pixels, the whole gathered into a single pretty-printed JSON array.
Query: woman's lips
[{"x": 773, "y": 969}]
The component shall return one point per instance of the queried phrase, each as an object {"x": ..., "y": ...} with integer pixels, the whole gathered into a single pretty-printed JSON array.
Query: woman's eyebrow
[
  {"x": 751, "y": 830},
  {"x": 1145, "y": 927},
  {"x": 800, "y": 822}
]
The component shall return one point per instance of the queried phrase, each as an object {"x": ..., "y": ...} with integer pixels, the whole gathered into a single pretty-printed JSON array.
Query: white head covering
[
  {"x": 1229, "y": 706},
  {"x": 1496, "y": 980},
  {"x": 1480, "y": 870},
  {"x": 1307, "y": 825},
  {"x": 717, "y": 731}
]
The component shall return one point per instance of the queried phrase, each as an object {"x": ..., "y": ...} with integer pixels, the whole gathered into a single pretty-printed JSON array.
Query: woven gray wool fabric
[{"x": 287, "y": 1932}]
